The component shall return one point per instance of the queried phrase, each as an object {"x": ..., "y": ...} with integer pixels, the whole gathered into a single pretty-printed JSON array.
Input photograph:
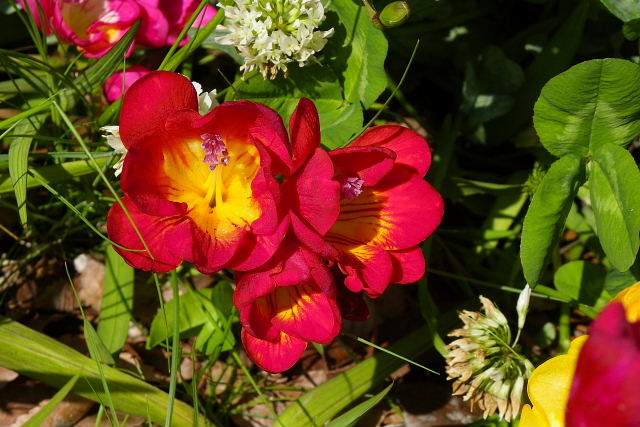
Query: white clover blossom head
[{"x": 269, "y": 34}]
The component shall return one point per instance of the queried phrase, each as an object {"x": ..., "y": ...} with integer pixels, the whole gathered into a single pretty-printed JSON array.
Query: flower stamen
[
  {"x": 351, "y": 187},
  {"x": 215, "y": 150}
]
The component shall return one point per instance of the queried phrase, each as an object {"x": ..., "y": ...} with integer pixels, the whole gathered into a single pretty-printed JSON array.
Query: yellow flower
[
  {"x": 549, "y": 388},
  {"x": 630, "y": 298}
]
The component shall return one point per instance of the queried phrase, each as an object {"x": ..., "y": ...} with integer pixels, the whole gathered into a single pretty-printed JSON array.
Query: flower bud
[
  {"x": 522, "y": 307},
  {"x": 394, "y": 14}
]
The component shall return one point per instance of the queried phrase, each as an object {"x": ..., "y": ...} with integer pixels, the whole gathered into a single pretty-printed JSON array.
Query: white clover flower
[
  {"x": 112, "y": 133},
  {"x": 206, "y": 100},
  {"x": 485, "y": 369},
  {"x": 269, "y": 34}
]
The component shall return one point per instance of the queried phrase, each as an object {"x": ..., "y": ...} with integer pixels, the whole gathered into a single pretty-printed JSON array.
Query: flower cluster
[
  {"x": 595, "y": 383},
  {"x": 484, "y": 366},
  {"x": 307, "y": 231},
  {"x": 95, "y": 26},
  {"x": 269, "y": 34}
]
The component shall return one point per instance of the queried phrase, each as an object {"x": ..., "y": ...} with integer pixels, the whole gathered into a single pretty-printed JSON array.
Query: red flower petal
[
  {"x": 305, "y": 312},
  {"x": 163, "y": 235},
  {"x": 370, "y": 164},
  {"x": 408, "y": 265},
  {"x": 367, "y": 268},
  {"x": 605, "y": 385},
  {"x": 150, "y": 101},
  {"x": 313, "y": 194},
  {"x": 411, "y": 149},
  {"x": 397, "y": 214},
  {"x": 274, "y": 356},
  {"x": 304, "y": 127}
]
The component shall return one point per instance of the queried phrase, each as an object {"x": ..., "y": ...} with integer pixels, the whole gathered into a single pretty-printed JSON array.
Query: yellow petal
[
  {"x": 630, "y": 298},
  {"x": 549, "y": 388},
  {"x": 532, "y": 417}
]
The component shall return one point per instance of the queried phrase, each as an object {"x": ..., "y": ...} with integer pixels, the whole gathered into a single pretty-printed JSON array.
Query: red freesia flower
[
  {"x": 386, "y": 208},
  {"x": 284, "y": 305},
  {"x": 605, "y": 385},
  {"x": 199, "y": 189}
]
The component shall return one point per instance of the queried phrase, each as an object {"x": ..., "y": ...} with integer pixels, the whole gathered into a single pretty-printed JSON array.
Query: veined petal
[
  {"x": 367, "y": 268},
  {"x": 397, "y": 214},
  {"x": 305, "y": 312},
  {"x": 164, "y": 236},
  {"x": 276, "y": 355},
  {"x": 411, "y": 149}
]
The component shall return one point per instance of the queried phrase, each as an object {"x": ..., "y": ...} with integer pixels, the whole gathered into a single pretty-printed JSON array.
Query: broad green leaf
[
  {"x": 365, "y": 48},
  {"x": 352, "y": 416},
  {"x": 19, "y": 161},
  {"x": 208, "y": 315},
  {"x": 547, "y": 214},
  {"x": 190, "y": 319},
  {"x": 618, "y": 281},
  {"x": 55, "y": 173},
  {"x": 97, "y": 349},
  {"x": 556, "y": 56},
  {"x": 216, "y": 333},
  {"x": 38, "y": 356},
  {"x": 625, "y": 10},
  {"x": 614, "y": 182},
  {"x": 591, "y": 104},
  {"x": 581, "y": 280},
  {"x": 38, "y": 418},
  {"x": 323, "y": 403},
  {"x": 117, "y": 302}
]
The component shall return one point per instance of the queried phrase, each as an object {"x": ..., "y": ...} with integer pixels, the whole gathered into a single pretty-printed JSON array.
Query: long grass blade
[{"x": 38, "y": 419}]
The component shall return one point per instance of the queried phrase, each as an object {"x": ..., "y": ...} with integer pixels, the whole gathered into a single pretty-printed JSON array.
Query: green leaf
[
  {"x": 38, "y": 356},
  {"x": 547, "y": 214},
  {"x": 625, "y": 10},
  {"x": 97, "y": 349},
  {"x": 117, "y": 301},
  {"x": 581, "y": 280},
  {"x": 364, "y": 75},
  {"x": 55, "y": 173},
  {"x": 590, "y": 104},
  {"x": 323, "y": 403},
  {"x": 208, "y": 316},
  {"x": 19, "y": 161},
  {"x": 352, "y": 416},
  {"x": 614, "y": 182},
  {"x": 190, "y": 319},
  {"x": 38, "y": 418},
  {"x": 618, "y": 281}
]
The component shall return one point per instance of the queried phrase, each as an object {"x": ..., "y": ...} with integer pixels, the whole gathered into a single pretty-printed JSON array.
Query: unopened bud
[
  {"x": 522, "y": 307},
  {"x": 394, "y": 14}
]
